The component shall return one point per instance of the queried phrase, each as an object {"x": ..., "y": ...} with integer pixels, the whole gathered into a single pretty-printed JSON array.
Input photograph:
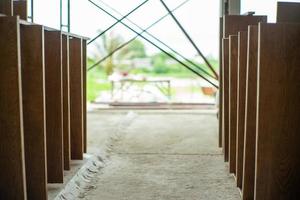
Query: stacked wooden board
[
  {"x": 260, "y": 120},
  {"x": 42, "y": 99}
]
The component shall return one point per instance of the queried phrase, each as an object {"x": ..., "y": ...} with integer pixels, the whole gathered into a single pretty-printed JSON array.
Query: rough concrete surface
[{"x": 163, "y": 155}]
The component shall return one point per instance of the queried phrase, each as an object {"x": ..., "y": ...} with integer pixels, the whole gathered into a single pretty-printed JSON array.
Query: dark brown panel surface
[
  {"x": 250, "y": 115},
  {"x": 6, "y": 7},
  {"x": 278, "y": 128},
  {"x": 66, "y": 101},
  {"x": 242, "y": 69},
  {"x": 225, "y": 87},
  {"x": 288, "y": 12},
  {"x": 54, "y": 106},
  {"x": 33, "y": 83},
  {"x": 233, "y": 70},
  {"x": 84, "y": 68},
  {"x": 220, "y": 85},
  {"x": 12, "y": 173},
  {"x": 76, "y": 99},
  {"x": 235, "y": 23},
  {"x": 20, "y": 9}
]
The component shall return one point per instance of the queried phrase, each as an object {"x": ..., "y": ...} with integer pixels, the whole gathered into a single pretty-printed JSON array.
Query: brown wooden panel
[
  {"x": 220, "y": 85},
  {"x": 233, "y": 69},
  {"x": 66, "y": 101},
  {"x": 225, "y": 66},
  {"x": 20, "y": 9},
  {"x": 12, "y": 173},
  {"x": 241, "y": 89},
  {"x": 235, "y": 23},
  {"x": 84, "y": 68},
  {"x": 278, "y": 127},
  {"x": 250, "y": 114},
  {"x": 33, "y": 85},
  {"x": 288, "y": 12},
  {"x": 6, "y": 7},
  {"x": 76, "y": 98},
  {"x": 54, "y": 106}
]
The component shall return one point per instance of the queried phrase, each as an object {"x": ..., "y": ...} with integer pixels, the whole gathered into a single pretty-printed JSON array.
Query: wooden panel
[
  {"x": 54, "y": 106},
  {"x": 250, "y": 114},
  {"x": 84, "y": 68},
  {"x": 235, "y": 23},
  {"x": 33, "y": 84},
  {"x": 278, "y": 127},
  {"x": 6, "y": 7},
  {"x": 288, "y": 12},
  {"x": 76, "y": 99},
  {"x": 225, "y": 66},
  {"x": 12, "y": 173},
  {"x": 20, "y": 9},
  {"x": 233, "y": 68},
  {"x": 241, "y": 89},
  {"x": 220, "y": 85},
  {"x": 66, "y": 101}
]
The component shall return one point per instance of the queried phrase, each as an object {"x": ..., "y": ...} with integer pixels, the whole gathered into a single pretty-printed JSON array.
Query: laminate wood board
[
  {"x": 54, "y": 106},
  {"x": 66, "y": 101},
  {"x": 235, "y": 23},
  {"x": 33, "y": 85},
  {"x": 6, "y": 7},
  {"x": 225, "y": 87},
  {"x": 278, "y": 107},
  {"x": 288, "y": 12},
  {"x": 233, "y": 70},
  {"x": 241, "y": 89},
  {"x": 76, "y": 98},
  {"x": 20, "y": 9},
  {"x": 250, "y": 115},
  {"x": 12, "y": 173},
  {"x": 84, "y": 76}
]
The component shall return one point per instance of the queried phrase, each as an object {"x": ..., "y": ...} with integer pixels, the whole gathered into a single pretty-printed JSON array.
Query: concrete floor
[{"x": 160, "y": 155}]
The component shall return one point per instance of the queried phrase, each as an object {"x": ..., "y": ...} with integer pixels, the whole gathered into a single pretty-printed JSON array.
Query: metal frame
[{"x": 68, "y": 25}]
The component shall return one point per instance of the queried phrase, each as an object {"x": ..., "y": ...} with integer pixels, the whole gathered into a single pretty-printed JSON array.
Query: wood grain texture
[
  {"x": 33, "y": 85},
  {"x": 76, "y": 98},
  {"x": 250, "y": 115},
  {"x": 54, "y": 106},
  {"x": 84, "y": 76},
  {"x": 12, "y": 173},
  {"x": 6, "y": 7},
  {"x": 241, "y": 94},
  {"x": 278, "y": 127},
  {"x": 233, "y": 70},
  {"x": 20, "y": 9},
  {"x": 220, "y": 86},
  {"x": 225, "y": 87},
  {"x": 66, "y": 101},
  {"x": 235, "y": 23},
  {"x": 288, "y": 12}
]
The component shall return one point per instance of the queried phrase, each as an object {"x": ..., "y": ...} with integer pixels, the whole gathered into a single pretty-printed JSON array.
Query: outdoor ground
[{"x": 155, "y": 155}]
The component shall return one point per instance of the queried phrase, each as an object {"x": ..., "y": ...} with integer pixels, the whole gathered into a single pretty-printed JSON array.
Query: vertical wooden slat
[
  {"x": 220, "y": 86},
  {"x": 33, "y": 85},
  {"x": 20, "y": 9},
  {"x": 12, "y": 173},
  {"x": 84, "y": 68},
  {"x": 278, "y": 107},
  {"x": 241, "y": 89},
  {"x": 6, "y": 7},
  {"x": 76, "y": 98},
  {"x": 233, "y": 67},
  {"x": 225, "y": 66},
  {"x": 54, "y": 106},
  {"x": 288, "y": 12},
  {"x": 250, "y": 114},
  {"x": 66, "y": 101}
]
